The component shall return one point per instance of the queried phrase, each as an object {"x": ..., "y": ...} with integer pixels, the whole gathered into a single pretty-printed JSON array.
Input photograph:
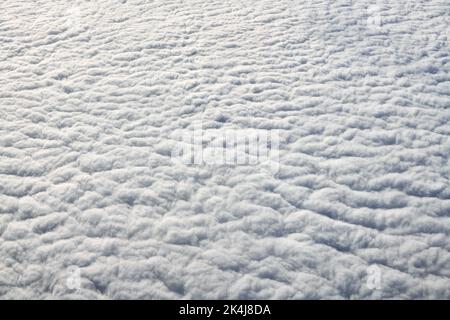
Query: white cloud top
[{"x": 95, "y": 95}]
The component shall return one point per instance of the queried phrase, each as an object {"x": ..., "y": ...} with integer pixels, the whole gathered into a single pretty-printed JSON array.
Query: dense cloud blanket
[{"x": 95, "y": 97}]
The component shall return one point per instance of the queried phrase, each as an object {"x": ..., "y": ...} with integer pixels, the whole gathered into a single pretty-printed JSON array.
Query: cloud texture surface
[{"x": 92, "y": 95}]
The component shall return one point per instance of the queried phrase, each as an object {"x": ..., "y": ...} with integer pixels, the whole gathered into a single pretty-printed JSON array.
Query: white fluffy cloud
[{"x": 93, "y": 96}]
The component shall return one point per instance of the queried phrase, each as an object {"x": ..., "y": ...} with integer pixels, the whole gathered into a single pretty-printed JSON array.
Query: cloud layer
[{"x": 93, "y": 94}]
